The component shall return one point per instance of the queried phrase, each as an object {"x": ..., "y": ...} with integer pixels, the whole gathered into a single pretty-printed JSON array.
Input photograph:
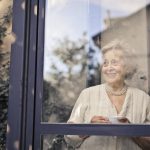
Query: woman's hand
[
  {"x": 118, "y": 119},
  {"x": 99, "y": 119},
  {"x": 123, "y": 120},
  {"x": 96, "y": 119},
  {"x": 83, "y": 137}
]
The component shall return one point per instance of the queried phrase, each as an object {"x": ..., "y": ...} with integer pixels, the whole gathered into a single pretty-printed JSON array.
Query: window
[
  {"x": 75, "y": 33},
  {"x": 61, "y": 55}
]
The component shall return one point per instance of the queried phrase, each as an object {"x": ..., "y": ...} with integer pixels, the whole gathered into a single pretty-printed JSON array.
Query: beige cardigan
[{"x": 95, "y": 101}]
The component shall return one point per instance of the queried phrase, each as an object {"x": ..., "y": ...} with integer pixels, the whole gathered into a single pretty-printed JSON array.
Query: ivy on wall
[{"x": 5, "y": 46}]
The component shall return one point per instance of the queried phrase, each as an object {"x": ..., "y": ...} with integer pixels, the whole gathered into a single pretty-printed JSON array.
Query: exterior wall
[{"x": 132, "y": 30}]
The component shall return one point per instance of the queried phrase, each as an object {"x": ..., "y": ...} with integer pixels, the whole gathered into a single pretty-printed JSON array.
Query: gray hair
[{"x": 128, "y": 55}]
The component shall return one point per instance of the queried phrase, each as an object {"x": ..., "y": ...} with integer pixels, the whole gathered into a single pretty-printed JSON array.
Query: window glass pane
[
  {"x": 65, "y": 59},
  {"x": 92, "y": 42},
  {"x": 128, "y": 22},
  {"x": 6, "y": 38},
  {"x": 71, "y": 142}
]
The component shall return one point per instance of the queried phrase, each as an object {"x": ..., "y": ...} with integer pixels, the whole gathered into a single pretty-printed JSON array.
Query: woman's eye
[
  {"x": 105, "y": 63},
  {"x": 115, "y": 62},
  {"x": 112, "y": 62}
]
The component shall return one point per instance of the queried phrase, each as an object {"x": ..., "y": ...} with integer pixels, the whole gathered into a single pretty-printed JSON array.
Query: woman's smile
[{"x": 111, "y": 74}]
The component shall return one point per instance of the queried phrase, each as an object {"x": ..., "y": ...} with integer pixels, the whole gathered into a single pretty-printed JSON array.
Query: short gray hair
[{"x": 128, "y": 54}]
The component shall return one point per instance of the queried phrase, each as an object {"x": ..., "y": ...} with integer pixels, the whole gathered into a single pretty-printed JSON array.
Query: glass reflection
[
  {"x": 75, "y": 35},
  {"x": 65, "y": 61},
  {"x": 72, "y": 142}
]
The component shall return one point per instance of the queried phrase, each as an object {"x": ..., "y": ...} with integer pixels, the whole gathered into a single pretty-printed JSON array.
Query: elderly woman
[{"x": 113, "y": 98}]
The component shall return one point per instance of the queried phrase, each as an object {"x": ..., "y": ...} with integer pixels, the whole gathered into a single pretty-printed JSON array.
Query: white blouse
[{"x": 94, "y": 101}]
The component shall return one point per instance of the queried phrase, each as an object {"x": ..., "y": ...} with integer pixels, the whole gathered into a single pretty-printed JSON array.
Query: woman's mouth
[{"x": 111, "y": 75}]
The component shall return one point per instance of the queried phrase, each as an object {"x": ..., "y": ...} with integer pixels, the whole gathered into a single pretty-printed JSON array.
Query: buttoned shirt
[{"x": 94, "y": 101}]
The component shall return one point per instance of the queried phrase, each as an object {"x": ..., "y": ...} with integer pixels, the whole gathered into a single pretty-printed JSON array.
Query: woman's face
[{"x": 113, "y": 68}]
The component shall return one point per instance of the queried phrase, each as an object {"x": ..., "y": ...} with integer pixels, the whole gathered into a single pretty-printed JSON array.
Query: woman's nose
[{"x": 110, "y": 67}]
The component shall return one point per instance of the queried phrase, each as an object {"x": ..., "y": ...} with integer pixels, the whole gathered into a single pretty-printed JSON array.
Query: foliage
[
  {"x": 5, "y": 23},
  {"x": 71, "y": 55},
  {"x": 62, "y": 86},
  {"x": 53, "y": 106}
]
